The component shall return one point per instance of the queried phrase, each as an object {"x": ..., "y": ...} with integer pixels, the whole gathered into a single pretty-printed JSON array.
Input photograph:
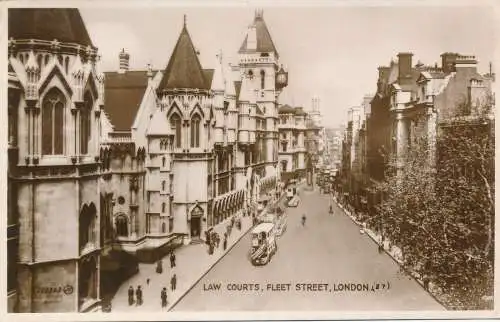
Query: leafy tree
[{"x": 442, "y": 216}]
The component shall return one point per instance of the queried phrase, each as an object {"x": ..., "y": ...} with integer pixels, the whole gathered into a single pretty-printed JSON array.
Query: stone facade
[
  {"x": 292, "y": 148},
  {"x": 209, "y": 140},
  {"x": 126, "y": 160},
  {"x": 54, "y": 170},
  {"x": 410, "y": 103}
]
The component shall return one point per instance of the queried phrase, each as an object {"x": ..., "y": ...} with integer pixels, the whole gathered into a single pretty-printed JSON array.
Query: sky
[{"x": 330, "y": 52}]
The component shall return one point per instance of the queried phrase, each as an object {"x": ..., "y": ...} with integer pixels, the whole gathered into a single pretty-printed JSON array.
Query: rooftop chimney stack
[
  {"x": 404, "y": 65},
  {"x": 448, "y": 61},
  {"x": 124, "y": 60},
  {"x": 383, "y": 71}
]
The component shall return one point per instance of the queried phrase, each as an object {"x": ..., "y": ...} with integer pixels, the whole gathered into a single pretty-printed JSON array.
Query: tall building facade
[
  {"x": 55, "y": 196},
  {"x": 188, "y": 122},
  {"x": 410, "y": 103},
  {"x": 126, "y": 160},
  {"x": 292, "y": 148}
]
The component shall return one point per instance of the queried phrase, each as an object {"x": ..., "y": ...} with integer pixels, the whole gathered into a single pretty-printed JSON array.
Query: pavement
[
  {"x": 329, "y": 250},
  {"x": 192, "y": 262},
  {"x": 395, "y": 253}
]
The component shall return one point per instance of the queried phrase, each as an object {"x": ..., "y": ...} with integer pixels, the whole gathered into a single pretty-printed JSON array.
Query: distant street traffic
[{"x": 325, "y": 265}]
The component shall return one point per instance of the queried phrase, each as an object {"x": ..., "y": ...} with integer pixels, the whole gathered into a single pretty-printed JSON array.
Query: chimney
[
  {"x": 448, "y": 62},
  {"x": 383, "y": 72},
  {"x": 466, "y": 63},
  {"x": 404, "y": 65},
  {"x": 124, "y": 59},
  {"x": 149, "y": 73}
]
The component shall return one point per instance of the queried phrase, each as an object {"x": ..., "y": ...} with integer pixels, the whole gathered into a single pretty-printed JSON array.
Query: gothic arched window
[
  {"x": 121, "y": 226},
  {"x": 86, "y": 225},
  {"x": 163, "y": 228},
  {"x": 163, "y": 207},
  {"x": 53, "y": 122},
  {"x": 262, "y": 79},
  {"x": 175, "y": 124},
  {"x": 163, "y": 185},
  {"x": 164, "y": 161},
  {"x": 66, "y": 64},
  {"x": 283, "y": 165},
  {"x": 85, "y": 123},
  {"x": 195, "y": 131}
]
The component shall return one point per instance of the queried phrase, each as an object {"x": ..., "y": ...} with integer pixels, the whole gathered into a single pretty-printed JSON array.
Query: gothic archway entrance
[
  {"x": 87, "y": 281},
  {"x": 195, "y": 225}
]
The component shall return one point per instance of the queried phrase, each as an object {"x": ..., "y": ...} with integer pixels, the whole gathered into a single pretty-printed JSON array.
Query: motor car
[{"x": 294, "y": 202}]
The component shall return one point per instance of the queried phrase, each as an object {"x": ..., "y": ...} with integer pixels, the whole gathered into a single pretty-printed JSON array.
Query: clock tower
[{"x": 259, "y": 63}]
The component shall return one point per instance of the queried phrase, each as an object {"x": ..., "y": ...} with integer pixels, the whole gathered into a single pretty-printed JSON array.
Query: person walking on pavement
[
  {"x": 172, "y": 259},
  {"x": 173, "y": 282},
  {"x": 303, "y": 219},
  {"x": 138, "y": 294},
  {"x": 130, "y": 295},
  {"x": 164, "y": 297}
]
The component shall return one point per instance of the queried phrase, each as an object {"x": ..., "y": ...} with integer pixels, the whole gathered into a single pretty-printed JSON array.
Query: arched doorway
[
  {"x": 87, "y": 280},
  {"x": 121, "y": 224},
  {"x": 195, "y": 227},
  {"x": 86, "y": 225}
]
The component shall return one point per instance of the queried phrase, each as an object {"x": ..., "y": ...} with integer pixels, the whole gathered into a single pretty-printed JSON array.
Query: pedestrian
[
  {"x": 147, "y": 281},
  {"x": 164, "y": 297},
  {"x": 159, "y": 267},
  {"x": 130, "y": 295},
  {"x": 225, "y": 243},
  {"x": 173, "y": 282},
  {"x": 172, "y": 259},
  {"x": 138, "y": 294}
]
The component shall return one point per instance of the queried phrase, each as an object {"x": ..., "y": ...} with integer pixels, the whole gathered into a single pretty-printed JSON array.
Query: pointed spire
[
  {"x": 77, "y": 67},
  {"x": 149, "y": 72},
  {"x": 230, "y": 89},
  {"x": 247, "y": 91},
  {"x": 258, "y": 38},
  {"x": 31, "y": 64},
  {"x": 184, "y": 69},
  {"x": 218, "y": 82}
]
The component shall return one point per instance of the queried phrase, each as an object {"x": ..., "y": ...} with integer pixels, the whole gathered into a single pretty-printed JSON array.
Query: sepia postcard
[{"x": 237, "y": 160}]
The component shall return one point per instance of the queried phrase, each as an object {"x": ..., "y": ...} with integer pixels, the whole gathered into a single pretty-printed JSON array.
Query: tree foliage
[{"x": 441, "y": 215}]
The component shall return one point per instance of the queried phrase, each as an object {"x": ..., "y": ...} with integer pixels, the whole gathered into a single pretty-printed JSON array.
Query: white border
[{"x": 282, "y": 315}]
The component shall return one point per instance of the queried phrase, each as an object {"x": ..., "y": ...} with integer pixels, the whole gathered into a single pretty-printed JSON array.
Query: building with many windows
[
  {"x": 55, "y": 194},
  {"x": 127, "y": 160},
  {"x": 292, "y": 148}
]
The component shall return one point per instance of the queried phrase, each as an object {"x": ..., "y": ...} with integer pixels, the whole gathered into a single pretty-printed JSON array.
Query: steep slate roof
[
  {"x": 208, "y": 74},
  {"x": 412, "y": 86},
  {"x": 264, "y": 40},
  {"x": 300, "y": 111},
  {"x": 286, "y": 109},
  {"x": 184, "y": 69},
  {"x": 124, "y": 93},
  {"x": 65, "y": 25}
]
